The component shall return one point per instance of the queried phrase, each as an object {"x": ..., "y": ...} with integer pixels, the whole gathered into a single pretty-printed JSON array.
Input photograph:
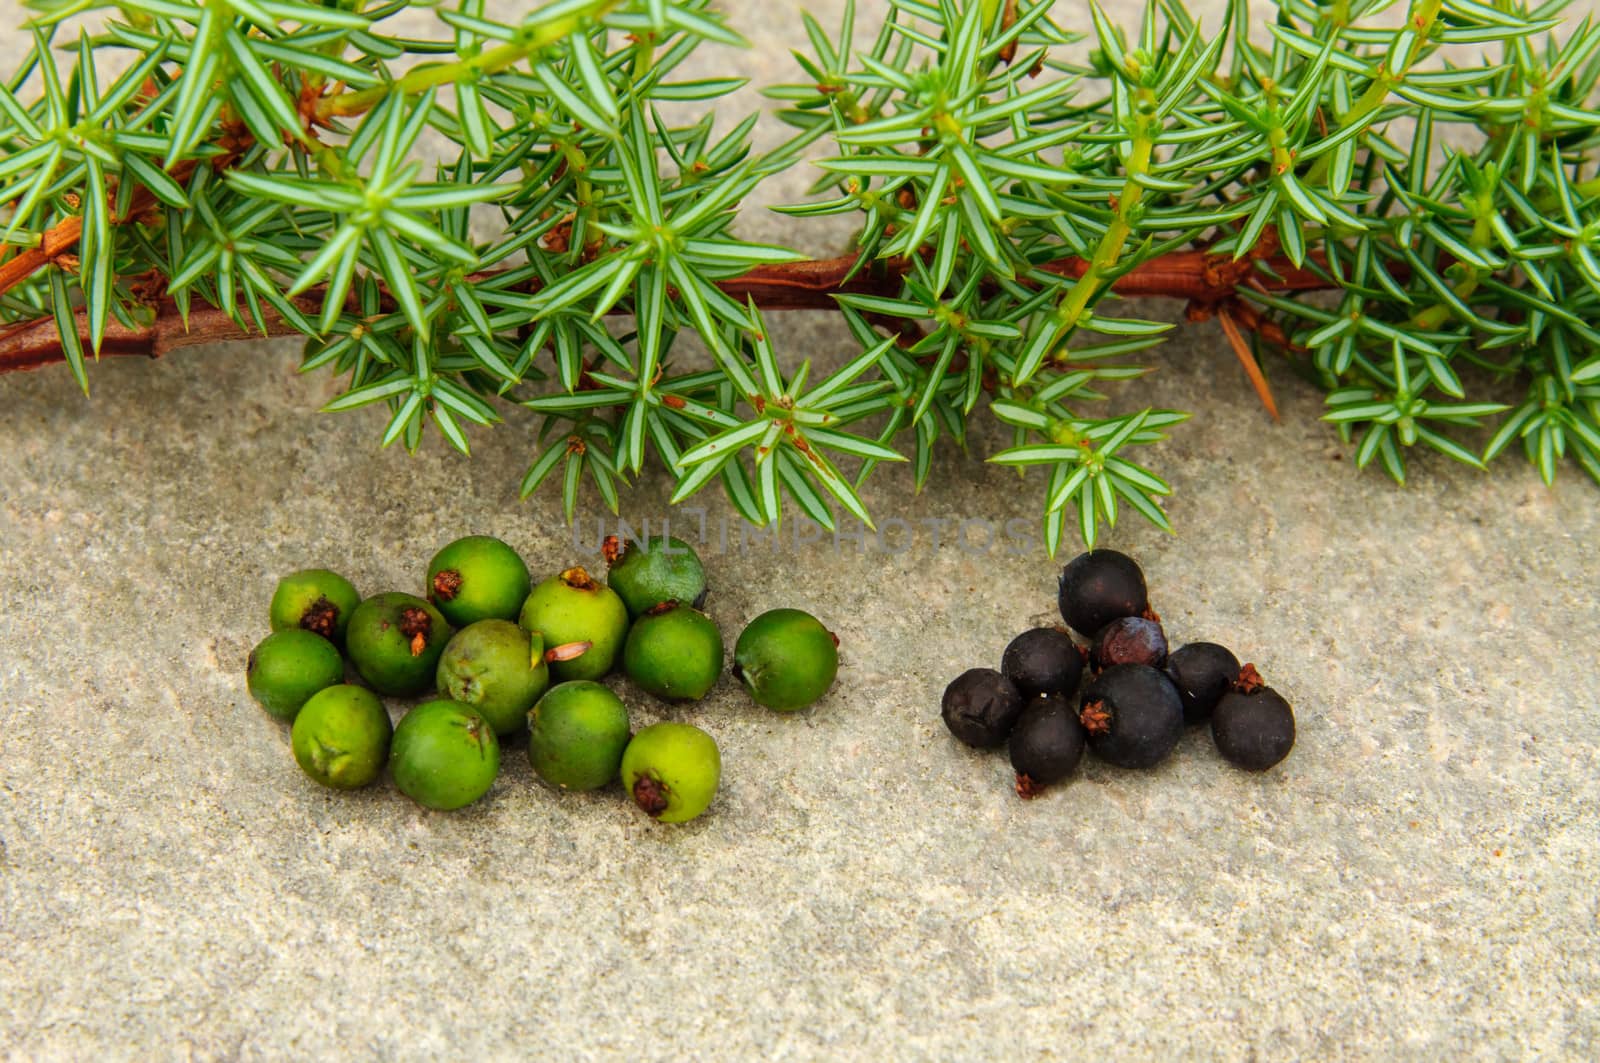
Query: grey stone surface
[{"x": 1416, "y": 881}]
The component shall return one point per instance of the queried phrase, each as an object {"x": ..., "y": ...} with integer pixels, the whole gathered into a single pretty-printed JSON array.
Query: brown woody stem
[{"x": 1193, "y": 276}]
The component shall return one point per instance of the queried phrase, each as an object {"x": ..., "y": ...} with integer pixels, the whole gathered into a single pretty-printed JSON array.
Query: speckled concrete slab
[{"x": 1416, "y": 881}]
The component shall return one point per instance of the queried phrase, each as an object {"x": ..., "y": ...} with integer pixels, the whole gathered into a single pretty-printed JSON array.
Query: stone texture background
[{"x": 1416, "y": 881}]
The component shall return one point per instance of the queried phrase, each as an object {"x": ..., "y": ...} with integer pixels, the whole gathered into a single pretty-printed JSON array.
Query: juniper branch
[
  {"x": 254, "y": 172},
  {"x": 1202, "y": 281}
]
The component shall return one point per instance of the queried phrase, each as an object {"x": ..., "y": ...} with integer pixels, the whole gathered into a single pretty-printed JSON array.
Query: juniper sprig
[{"x": 1399, "y": 202}]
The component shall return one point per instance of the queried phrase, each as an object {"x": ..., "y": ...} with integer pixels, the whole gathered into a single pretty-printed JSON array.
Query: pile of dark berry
[{"x": 1138, "y": 697}]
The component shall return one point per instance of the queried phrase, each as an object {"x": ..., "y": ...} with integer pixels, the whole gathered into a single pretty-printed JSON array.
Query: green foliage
[{"x": 253, "y": 152}]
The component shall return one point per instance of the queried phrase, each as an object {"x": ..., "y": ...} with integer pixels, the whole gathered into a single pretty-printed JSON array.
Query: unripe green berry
[
  {"x": 786, "y": 659},
  {"x": 672, "y": 770},
  {"x": 287, "y": 667},
  {"x": 341, "y": 737},
  {"x": 444, "y": 755},
  {"x": 572, "y": 609},
  {"x": 674, "y": 652},
  {"x": 477, "y": 578},
  {"x": 315, "y": 600},
  {"x": 576, "y": 735}
]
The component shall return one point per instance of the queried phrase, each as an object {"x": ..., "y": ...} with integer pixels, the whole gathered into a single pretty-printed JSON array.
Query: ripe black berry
[
  {"x": 1046, "y": 744},
  {"x": 1133, "y": 715},
  {"x": 1253, "y": 731},
  {"x": 981, "y": 707},
  {"x": 1202, "y": 672},
  {"x": 1043, "y": 661},
  {"x": 1098, "y": 587},
  {"x": 1130, "y": 640}
]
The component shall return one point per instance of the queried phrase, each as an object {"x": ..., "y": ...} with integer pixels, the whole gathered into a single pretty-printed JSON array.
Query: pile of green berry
[
  {"x": 491, "y": 644},
  {"x": 1139, "y": 697}
]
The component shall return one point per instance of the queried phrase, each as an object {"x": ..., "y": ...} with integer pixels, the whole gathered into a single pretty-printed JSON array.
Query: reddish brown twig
[
  {"x": 64, "y": 235},
  {"x": 32, "y": 344},
  {"x": 1247, "y": 358},
  {"x": 1008, "y": 19},
  {"x": 1193, "y": 276},
  {"x": 58, "y": 239}
]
